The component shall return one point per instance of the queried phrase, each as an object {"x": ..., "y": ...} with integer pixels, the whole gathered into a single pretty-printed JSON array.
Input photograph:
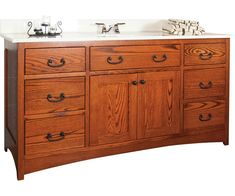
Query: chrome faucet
[{"x": 114, "y": 27}]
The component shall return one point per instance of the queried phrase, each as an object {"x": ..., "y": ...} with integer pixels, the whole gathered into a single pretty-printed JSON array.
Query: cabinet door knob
[
  {"x": 202, "y": 118},
  {"x": 50, "y": 98},
  {"x": 60, "y": 136},
  {"x": 110, "y": 60},
  {"x": 142, "y": 81},
  {"x": 134, "y": 82},
  {"x": 205, "y": 56},
  {"x": 155, "y": 58},
  {"x": 51, "y": 64},
  {"x": 205, "y": 86}
]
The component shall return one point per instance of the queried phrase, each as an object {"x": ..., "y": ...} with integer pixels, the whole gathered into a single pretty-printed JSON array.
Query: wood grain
[
  {"x": 134, "y": 56},
  {"x": 192, "y": 79},
  {"x": 192, "y": 53},
  {"x": 36, "y": 92},
  {"x": 158, "y": 104},
  {"x": 37, "y": 130},
  {"x": 113, "y": 101},
  {"x": 37, "y": 60},
  {"x": 193, "y": 110}
]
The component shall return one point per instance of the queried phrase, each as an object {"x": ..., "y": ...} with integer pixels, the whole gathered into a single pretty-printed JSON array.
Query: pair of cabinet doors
[{"x": 127, "y": 107}]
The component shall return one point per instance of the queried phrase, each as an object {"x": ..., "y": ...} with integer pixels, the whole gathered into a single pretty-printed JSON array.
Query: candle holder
[{"x": 48, "y": 30}]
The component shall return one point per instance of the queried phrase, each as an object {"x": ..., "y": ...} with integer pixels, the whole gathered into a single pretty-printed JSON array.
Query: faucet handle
[
  {"x": 100, "y": 23},
  {"x": 119, "y": 23},
  {"x": 101, "y": 27},
  {"x": 116, "y": 26}
]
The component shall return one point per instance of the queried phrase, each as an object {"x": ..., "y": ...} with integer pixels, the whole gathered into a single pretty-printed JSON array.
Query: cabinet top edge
[{"x": 89, "y": 37}]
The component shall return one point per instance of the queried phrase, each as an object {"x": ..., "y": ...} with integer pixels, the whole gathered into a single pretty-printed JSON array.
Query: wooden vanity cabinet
[{"x": 72, "y": 101}]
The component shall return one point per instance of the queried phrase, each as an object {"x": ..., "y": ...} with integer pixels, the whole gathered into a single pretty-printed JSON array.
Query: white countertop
[{"x": 67, "y": 37}]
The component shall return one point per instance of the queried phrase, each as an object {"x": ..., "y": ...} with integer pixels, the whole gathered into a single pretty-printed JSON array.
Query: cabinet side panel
[
  {"x": 11, "y": 89},
  {"x": 11, "y": 98}
]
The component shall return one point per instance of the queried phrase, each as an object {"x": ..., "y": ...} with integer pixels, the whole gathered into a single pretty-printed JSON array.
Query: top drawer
[
  {"x": 54, "y": 60},
  {"x": 125, "y": 57},
  {"x": 200, "y": 54}
]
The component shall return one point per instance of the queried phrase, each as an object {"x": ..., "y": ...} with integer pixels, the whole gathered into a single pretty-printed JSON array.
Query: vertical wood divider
[
  {"x": 20, "y": 112},
  {"x": 87, "y": 95}
]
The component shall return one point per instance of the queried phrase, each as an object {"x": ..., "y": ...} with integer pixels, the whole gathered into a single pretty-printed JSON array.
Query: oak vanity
[{"x": 74, "y": 99}]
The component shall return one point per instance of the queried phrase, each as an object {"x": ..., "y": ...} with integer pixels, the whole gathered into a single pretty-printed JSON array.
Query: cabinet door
[
  {"x": 158, "y": 104},
  {"x": 113, "y": 105}
]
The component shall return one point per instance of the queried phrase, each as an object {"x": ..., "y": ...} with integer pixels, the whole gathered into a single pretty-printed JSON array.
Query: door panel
[
  {"x": 113, "y": 105},
  {"x": 158, "y": 104}
]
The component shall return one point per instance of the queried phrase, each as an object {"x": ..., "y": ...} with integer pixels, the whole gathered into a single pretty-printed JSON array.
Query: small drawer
[
  {"x": 54, "y": 134},
  {"x": 204, "y": 83},
  {"x": 125, "y": 57},
  {"x": 54, "y": 60},
  {"x": 202, "y": 116},
  {"x": 54, "y": 95},
  {"x": 200, "y": 54}
]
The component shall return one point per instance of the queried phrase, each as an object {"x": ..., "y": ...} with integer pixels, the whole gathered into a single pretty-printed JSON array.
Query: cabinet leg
[
  {"x": 20, "y": 175},
  {"x": 226, "y": 143},
  {"x": 5, "y": 149}
]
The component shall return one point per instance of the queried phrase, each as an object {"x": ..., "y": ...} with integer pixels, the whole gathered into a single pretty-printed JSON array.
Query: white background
[{"x": 194, "y": 169}]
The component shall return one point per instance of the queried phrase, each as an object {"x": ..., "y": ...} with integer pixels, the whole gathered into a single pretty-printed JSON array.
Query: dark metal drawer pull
[
  {"x": 202, "y": 118},
  {"x": 50, "y": 63},
  {"x": 50, "y": 98},
  {"x": 205, "y": 86},
  {"x": 142, "y": 81},
  {"x": 134, "y": 82},
  {"x": 60, "y": 136},
  {"x": 155, "y": 58},
  {"x": 205, "y": 56},
  {"x": 110, "y": 60}
]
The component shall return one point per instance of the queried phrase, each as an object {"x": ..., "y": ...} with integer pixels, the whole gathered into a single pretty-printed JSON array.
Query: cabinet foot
[
  {"x": 226, "y": 143},
  {"x": 5, "y": 149},
  {"x": 20, "y": 176}
]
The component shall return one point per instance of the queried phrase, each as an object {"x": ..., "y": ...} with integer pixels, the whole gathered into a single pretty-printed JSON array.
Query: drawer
[
  {"x": 54, "y": 134},
  {"x": 202, "y": 116},
  {"x": 54, "y": 60},
  {"x": 200, "y": 54},
  {"x": 54, "y": 95},
  {"x": 125, "y": 57},
  {"x": 204, "y": 83}
]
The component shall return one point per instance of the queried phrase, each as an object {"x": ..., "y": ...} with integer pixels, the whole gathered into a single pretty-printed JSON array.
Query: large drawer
[
  {"x": 54, "y": 95},
  {"x": 200, "y": 54},
  {"x": 54, "y": 60},
  {"x": 54, "y": 134},
  {"x": 203, "y": 116},
  {"x": 125, "y": 57},
  {"x": 204, "y": 83}
]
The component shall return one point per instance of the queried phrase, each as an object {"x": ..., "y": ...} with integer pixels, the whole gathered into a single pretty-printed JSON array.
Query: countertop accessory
[
  {"x": 48, "y": 31},
  {"x": 183, "y": 27}
]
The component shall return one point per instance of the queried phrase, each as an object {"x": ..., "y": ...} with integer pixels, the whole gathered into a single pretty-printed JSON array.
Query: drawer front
[
  {"x": 200, "y": 54},
  {"x": 202, "y": 116},
  {"x": 53, "y": 134},
  {"x": 204, "y": 83},
  {"x": 54, "y": 95},
  {"x": 125, "y": 57},
  {"x": 54, "y": 60}
]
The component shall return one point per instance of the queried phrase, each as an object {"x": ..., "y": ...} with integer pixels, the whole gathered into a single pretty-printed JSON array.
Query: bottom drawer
[
  {"x": 53, "y": 134},
  {"x": 205, "y": 115}
]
